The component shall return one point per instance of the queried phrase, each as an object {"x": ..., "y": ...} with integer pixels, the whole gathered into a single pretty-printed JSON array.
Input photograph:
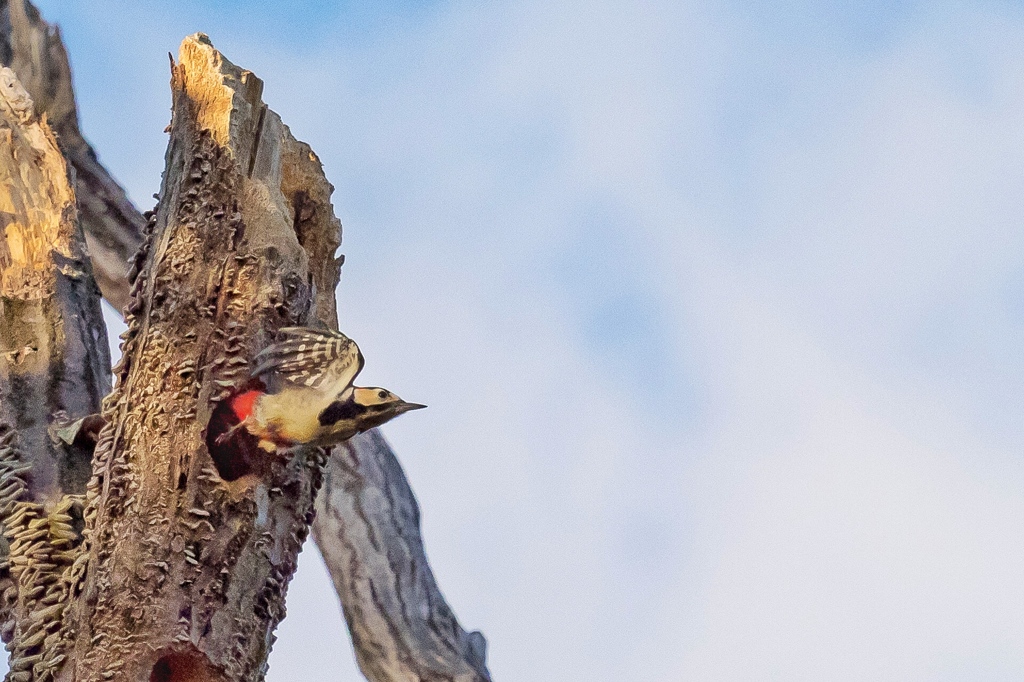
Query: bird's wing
[{"x": 317, "y": 358}]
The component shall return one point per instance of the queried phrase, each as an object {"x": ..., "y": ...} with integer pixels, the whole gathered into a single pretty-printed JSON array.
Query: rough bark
[
  {"x": 54, "y": 363},
  {"x": 113, "y": 227},
  {"x": 368, "y": 530},
  {"x": 191, "y": 545},
  {"x": 402, "y": 627}
]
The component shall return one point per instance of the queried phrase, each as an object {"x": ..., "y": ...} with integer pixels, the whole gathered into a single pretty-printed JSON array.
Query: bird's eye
[{"x": 382, "y": 395}]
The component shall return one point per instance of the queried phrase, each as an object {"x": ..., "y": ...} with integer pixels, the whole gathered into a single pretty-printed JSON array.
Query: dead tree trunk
[
  {"x": 402, "y": 627},
  {"x": 191, "y": 545},
  {"x": 53, "y": 360}
]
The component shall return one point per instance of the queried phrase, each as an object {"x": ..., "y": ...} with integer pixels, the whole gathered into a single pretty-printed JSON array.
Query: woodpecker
[{"x": 308, "y": 396}]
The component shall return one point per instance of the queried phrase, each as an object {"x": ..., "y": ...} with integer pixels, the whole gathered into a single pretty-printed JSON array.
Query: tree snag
[
  {"x": 187, "y": 570},
  {"x": 54, "y": 367}
]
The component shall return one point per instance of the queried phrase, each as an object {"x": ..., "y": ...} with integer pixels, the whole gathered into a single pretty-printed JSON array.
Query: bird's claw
[{"x": 227, "y": 435}]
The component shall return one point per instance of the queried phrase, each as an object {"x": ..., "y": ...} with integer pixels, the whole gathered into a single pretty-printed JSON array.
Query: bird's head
[{"x": 380, "y": 404}]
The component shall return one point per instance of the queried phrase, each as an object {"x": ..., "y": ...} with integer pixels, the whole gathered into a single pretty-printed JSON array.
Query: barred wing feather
[{"x": 312, "y": 357}]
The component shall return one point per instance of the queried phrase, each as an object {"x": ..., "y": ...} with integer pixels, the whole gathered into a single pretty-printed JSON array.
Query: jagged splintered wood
[
  {"x": 186, "y": 570},
  {"x": 113, "y": 227},
  {"x": 53, "y": 343}
]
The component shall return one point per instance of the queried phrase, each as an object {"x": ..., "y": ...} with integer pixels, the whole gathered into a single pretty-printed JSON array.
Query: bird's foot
[{"x": 229, "y": 434}]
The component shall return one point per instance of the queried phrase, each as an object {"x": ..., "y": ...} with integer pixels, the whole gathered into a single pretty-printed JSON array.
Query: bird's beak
[{"x": 408, "y": 407}]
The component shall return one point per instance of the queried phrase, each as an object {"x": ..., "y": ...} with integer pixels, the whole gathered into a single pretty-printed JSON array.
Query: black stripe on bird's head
[{"x": 341, "y": 409}]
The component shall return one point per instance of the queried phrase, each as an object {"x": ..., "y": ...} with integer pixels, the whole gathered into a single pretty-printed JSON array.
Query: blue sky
[{"x": 717, "y": 308}]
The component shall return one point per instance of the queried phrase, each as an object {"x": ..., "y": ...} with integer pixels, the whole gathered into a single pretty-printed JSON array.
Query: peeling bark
[
  {"x": 113, "y": 227},
  {"x": 368, "y": 527},
  {"x": 53, "y": 363},
  {"x": 188, "y": 565}
]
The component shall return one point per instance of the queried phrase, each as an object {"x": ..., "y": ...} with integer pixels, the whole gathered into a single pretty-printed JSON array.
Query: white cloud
[{"x": 800, "y": 459}]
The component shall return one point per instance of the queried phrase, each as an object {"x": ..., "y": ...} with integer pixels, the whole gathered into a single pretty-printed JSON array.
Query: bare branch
[{"x": 368, "y": 528}]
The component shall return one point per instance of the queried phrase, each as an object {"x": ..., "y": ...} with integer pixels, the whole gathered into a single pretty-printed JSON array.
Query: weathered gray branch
[
  {"x": 113, "y": 227},
  {"x": 368, "y": 530},
  {"x": 53, "y": 361}
]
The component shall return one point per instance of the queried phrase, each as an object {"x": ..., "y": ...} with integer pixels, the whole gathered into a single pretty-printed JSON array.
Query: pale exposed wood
[
  {"x": 53, "y": 347},
  {"x": 187, "y": 570},
  {"x": 54, "y": 364},
  {"x": 33, "y": 49}
]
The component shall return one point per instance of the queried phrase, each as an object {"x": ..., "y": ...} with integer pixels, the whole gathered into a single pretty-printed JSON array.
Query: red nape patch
[{"x": 242, "y": 404}]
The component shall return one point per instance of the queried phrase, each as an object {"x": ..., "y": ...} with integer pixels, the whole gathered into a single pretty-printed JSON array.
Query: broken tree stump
[{"x": 189, "y": 553}]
